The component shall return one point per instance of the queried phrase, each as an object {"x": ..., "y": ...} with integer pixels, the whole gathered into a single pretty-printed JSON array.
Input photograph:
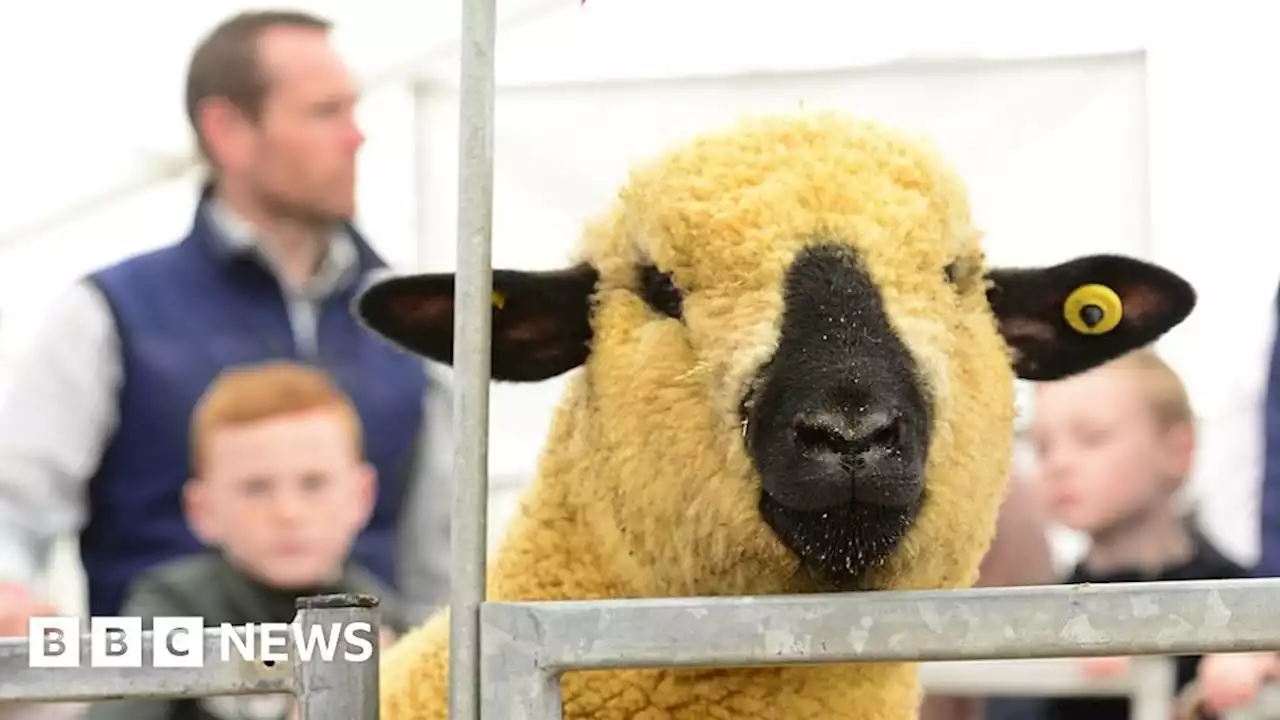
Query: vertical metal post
[
  {"x": 530, "y": 695},
  {"x": 516, "y": 685},
  {"x": 471, "y": 348},
  {"x": 341, "y": 689},
  {"x": 1155, "y": 684}
]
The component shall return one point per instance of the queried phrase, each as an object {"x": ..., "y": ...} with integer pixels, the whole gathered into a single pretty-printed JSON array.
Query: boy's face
[
  {"x": 283, "y": 497},
  {"x": 1102, "y": 457}
]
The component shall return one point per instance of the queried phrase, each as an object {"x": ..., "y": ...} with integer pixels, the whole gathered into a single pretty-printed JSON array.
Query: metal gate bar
[
  {"x": 527, "y": 645},
  {"x": 1155, "y": 689},
  {"x": 471, "y": 354},
  {"x": 338, "y": 690}
]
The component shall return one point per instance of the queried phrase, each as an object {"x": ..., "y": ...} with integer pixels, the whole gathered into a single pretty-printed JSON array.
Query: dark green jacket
[{"x": 206, "y": 585}]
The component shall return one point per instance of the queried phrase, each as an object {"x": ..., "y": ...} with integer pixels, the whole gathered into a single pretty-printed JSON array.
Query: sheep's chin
[{"x": 839, "y": 546}]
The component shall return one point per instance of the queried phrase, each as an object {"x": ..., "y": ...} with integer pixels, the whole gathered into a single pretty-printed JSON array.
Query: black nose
[{"x": 859, "y": 456}]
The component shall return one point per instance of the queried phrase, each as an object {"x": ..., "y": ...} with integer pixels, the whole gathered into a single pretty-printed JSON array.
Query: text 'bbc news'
[{"x": 181, "y": 642}]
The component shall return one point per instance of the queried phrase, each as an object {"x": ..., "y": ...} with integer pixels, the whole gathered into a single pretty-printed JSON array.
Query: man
[{"x": 94, "y": 435}]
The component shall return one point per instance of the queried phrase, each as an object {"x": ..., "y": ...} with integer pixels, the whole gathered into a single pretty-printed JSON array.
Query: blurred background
[{"x": 1140, "y": 128}]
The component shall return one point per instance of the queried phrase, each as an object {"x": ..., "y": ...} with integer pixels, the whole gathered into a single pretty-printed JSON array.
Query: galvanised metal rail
[
  {"x": 325, "y": 690},
  {"x": 527, "y": 645}
]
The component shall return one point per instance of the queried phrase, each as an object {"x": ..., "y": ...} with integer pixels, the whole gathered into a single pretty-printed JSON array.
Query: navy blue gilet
[{"x": 184, "y": 313}]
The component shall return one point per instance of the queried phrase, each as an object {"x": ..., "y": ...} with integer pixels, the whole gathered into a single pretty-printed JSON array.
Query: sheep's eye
[
  {"x": 661, "y": 293},
  {"x": 952, "y": 273}
]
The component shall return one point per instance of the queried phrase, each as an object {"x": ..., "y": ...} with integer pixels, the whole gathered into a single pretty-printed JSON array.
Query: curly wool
[{"x": 644, "y": 487}]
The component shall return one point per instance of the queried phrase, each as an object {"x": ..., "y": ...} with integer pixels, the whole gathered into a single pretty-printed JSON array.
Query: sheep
[{"x": 793, "y": 374}]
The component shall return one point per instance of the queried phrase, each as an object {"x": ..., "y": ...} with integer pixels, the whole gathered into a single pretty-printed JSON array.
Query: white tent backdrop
[
  {"x": 95, "y": 90},
  {"x": 1120, "y": 126}
]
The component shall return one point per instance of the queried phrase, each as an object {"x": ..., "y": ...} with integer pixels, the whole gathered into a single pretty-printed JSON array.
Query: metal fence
[
  {"x": 337, "y": 690},
  {"x": 332, "y": 691}
]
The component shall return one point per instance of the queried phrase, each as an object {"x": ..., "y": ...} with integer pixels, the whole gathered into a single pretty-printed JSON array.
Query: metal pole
[
  {"x": 471, "y": 353},
  {"x": 344, "y": 688},
  {"x": 19, "y": 682},
  {"x": 1186, "y": 617},
  {"x": 1155, "y": 687},
  {"x": 516, "y": 685}
]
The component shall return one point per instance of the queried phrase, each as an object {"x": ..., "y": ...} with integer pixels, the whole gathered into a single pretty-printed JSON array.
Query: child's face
[
  {"x": 1102, "y": 456},
  {"x": 283, "y": 497}
]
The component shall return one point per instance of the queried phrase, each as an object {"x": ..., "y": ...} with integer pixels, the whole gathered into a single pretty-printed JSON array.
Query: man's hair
[
  {"x": 251, "y": 393},
  {"x": 226, "y": 63}
]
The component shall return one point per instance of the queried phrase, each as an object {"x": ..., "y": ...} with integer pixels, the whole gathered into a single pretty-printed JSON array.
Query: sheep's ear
[
  {"x": 1065, "y": 319},
  {"x": 541, "y": 320}
]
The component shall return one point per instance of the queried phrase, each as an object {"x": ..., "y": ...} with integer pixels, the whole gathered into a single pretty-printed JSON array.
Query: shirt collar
[{"x": 239, "y": 237}]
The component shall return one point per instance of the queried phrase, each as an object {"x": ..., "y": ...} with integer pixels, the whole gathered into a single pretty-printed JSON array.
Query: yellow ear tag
[
  {"x": 1093, "y": 309},
  {"x": 499, "y": 299}
]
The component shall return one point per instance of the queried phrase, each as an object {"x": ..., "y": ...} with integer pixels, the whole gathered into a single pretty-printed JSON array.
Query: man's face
[{"x": 302, "y": 158}]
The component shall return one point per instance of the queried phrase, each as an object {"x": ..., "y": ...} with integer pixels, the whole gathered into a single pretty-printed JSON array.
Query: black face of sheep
[{"x": 837, "y": 422}]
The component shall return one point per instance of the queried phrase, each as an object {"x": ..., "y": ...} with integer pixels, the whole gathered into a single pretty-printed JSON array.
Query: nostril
[
  {"x": 862, "y": 454},
  {"x": 819, "y": 439},
  {"x": 877, "y": 429},
  {"x": 850, "y": 437},
  {"x": 820, "y": 431},
  {"x": 885, "y": 435}
]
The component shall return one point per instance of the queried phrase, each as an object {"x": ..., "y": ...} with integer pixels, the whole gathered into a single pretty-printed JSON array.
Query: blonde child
[
  {"x": 280, "y": 491},
  {"x": 1114, "y": 448}
]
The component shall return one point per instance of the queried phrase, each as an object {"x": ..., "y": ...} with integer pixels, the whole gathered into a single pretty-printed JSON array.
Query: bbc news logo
[{"x": 178, "y": 642}]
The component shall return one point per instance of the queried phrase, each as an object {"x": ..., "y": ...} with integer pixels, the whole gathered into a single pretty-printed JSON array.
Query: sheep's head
[{"x": 799, "y": 369}]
